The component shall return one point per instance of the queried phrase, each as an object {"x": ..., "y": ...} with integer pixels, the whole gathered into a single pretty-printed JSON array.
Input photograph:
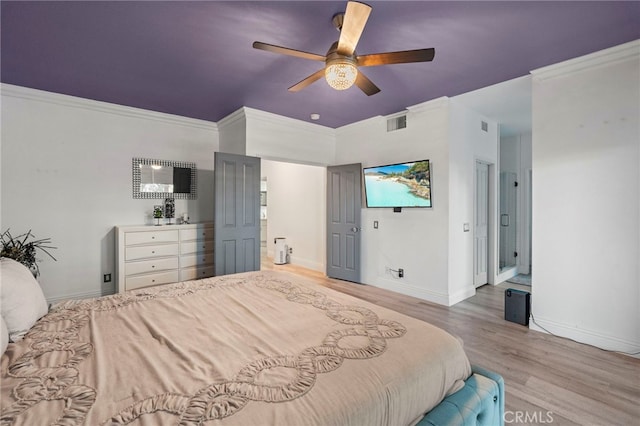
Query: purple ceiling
[{"x": 195, "y": 58}]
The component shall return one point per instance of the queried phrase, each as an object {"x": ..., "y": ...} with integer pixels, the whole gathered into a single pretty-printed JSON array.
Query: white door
[{"x": 481, "y": 225}]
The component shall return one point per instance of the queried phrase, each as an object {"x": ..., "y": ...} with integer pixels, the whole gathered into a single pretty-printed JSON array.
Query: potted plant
[
  {"x": 23, "y": 249},
  {"x": 157, "y": 214}
]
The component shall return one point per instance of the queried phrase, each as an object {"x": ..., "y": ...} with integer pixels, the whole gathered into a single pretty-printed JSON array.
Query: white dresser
[{"x": 153, "y": 255}]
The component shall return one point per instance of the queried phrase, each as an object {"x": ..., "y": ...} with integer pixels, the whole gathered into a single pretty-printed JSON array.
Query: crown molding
[
  {"x": 623, "y": 52},
  {"x": 276, "y": 119},
  {"x": 251, "y": 114},
  {"x": 21, "y": 92},
  {"x": 232, "y": 118},
  {"x": 429, "y": 105}
]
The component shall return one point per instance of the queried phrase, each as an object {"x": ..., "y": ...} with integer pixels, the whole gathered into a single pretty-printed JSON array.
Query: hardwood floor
[{"x": 548, "y": 379}]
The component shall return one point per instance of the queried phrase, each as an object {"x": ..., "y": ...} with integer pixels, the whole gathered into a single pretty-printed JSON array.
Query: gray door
[
  {"x": 343, "y": 222},
  {"x": 236, "y": 213}
]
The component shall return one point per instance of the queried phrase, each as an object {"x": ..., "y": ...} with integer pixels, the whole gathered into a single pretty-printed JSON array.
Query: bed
[{"x": 254, "y": 348}]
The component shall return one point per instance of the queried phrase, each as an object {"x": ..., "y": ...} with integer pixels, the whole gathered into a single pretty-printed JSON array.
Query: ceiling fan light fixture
[{"x": 341, "y": 74}]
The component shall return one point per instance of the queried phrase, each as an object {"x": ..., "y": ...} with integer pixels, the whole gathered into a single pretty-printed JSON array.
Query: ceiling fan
[{"x": 341, "y": 61}]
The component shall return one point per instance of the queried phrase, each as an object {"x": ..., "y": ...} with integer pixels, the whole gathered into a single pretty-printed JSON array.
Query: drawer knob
[
  {"x": 152, "y": 251},
  {"x": 153, "y": 281},
  {"x": 153, "y": 238},
  {"x": 153, "y": 266}
]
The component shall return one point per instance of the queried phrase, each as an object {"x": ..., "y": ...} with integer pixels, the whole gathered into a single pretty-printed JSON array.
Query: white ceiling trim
[
  {"x": 20, "y": 92},
  {"x": 620, "y": 53}
]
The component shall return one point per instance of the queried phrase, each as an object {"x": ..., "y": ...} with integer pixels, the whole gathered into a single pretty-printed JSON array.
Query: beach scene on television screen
[{"x": 398, "y": 185}]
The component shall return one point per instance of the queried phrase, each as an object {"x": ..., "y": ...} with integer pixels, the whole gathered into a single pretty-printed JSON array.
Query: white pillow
[
  {"x": 22, "y": 302},
  {"x": 4, "y": 337}
]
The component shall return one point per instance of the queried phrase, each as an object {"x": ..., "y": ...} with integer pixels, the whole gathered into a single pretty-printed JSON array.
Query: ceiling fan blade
[
  {"x": 307, "y": 81},
  {"x": 366, "y": 85},
  {"x": 402, "y": 57},
  {"x": 287, "y": 51},
  {"x": 355, "y": 18}
]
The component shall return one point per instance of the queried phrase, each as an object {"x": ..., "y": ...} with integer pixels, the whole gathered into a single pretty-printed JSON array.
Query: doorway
[
  {"x": 295, "y": 198},
  {"x": 515, "y": 204}
]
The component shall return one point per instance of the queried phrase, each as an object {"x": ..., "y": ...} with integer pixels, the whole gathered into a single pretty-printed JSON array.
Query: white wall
[
  {"x": 468, "y": 143},
  {"x": 429, "y": 244},
  {"x": 66, "y": 174},
  {"x": 232, "y": 133},
  {"x": 296, "y": 204},
  {"x": 510, "y": 154},
  {"x": 415, "y": 239},
  {"x": 586, "y": 198},
  {"x": 279, "y": 138}
]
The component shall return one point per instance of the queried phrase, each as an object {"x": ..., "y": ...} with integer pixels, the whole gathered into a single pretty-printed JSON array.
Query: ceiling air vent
[{"x": 396, "y": 123}]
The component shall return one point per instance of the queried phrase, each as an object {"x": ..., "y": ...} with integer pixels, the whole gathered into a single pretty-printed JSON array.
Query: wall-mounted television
[{"x": 398, "y": 185}]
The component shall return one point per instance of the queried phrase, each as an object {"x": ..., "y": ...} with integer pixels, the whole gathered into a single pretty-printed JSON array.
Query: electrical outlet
[
  {"x": 400, "y": 273},
  {"x": 290, "y": 250},
  {"x": 106, "y": 278}
]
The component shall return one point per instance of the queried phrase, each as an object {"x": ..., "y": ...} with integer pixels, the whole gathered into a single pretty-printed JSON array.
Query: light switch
[
  {"x": 465, "y": 227},
  {"x": 375, "y": 224}
]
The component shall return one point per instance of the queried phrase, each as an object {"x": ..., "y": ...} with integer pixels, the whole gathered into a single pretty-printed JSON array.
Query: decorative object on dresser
[
  {"x": 22, "y": 249},
  {"x": 169, "y": 209},
  {"x": 157, "y": 214},
  {"x": 150, "y": 256}
]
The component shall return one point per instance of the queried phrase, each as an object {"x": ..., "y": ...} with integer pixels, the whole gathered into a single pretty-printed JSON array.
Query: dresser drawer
[
  {"x": 201, "y": 233},
  {"x": 147, "y": 280},
  {"x": 147, "y": 237},
  {"x": 196, "y": 260},
  {"x": 188, "y": 274},
  {"x": 143, "y": 252},
  {"x": 196, "y": 247},
  {"x": 154, "y": 265}
]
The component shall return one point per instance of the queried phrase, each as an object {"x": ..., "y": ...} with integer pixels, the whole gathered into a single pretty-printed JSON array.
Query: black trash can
[{"x": 517, "y": 306}]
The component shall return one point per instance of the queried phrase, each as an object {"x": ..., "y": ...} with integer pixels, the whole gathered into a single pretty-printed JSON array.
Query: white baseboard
[
  {"x": 411, "y": 290},
  {"x": 309, "y": 264},
  {"x": 589, "y": 337}
]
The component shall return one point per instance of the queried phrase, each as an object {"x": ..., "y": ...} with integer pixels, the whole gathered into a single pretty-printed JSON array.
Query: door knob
[{"x": 355, "y": 229}]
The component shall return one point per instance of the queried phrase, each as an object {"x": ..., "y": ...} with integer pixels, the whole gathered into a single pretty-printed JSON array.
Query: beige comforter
[{"x": 248, "y": 349}]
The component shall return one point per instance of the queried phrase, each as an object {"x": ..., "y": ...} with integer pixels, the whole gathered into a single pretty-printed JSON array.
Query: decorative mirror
[{"x": 164, "y": 179}]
